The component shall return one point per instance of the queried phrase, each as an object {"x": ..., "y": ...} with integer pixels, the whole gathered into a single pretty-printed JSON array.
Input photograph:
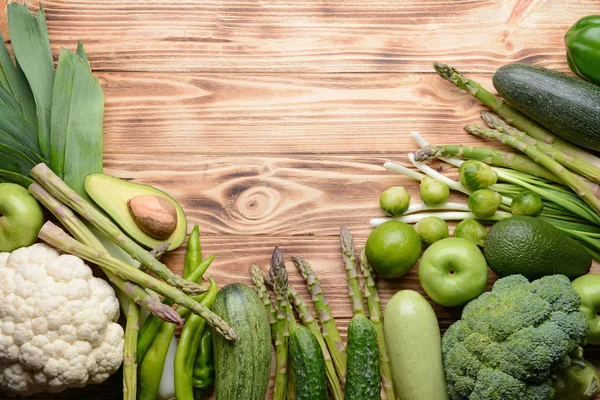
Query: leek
[
  {"x": 77, "y": 115},
  {"x": 31, "y": 45}
]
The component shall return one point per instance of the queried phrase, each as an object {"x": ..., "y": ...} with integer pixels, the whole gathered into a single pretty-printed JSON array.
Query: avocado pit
[{"x": 154, "y": 215}]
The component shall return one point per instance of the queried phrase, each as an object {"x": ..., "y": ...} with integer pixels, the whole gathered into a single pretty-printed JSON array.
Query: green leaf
[
  {"x": 17, "y": 132},
  {"x": 17, "y": 86},
  {"x": 8, "y": 176},
  {"x": 15, "y": 161},
  {"x": 81, "y": 53},
  {"x": 31, "y": 45},
  {"x": 77, "y": 116}
]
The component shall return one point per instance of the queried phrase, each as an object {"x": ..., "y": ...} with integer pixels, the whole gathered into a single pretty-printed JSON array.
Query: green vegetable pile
[{"x": 516, "y": 341}]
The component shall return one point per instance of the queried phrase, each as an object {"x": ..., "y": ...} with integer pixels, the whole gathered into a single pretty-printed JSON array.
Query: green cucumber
[
  {"x": 242, "y": 368},
  {"x": 414, "y": 344},
  {"x": 567, "y": 106},
  {"x": 308, "y": 365},
  {"x": 362, "y": 371}
]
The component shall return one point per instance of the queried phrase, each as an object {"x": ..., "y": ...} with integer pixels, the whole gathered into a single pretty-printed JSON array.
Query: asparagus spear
[
  {"x": 132, "y": 329},
  {"x": 573, "y": 163},
  {"x": 278, "y": 279},
  {"x": 83, "y": 234},
  {"x": 308, "y": 320},
  {"x": 347, "y": 243},
  {"x": 578, "y": 186},
  {"x": 489, "y": 156},
  {"x": 53, "y": 184},
  {"x": 511, "y": 115},
  {"x": 331, "y": 334},
  {"x": 376, "y": 315},
  {"x": 58, "y": 238}
]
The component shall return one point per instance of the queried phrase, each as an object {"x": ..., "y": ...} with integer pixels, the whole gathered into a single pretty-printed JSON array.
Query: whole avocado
[
  {"x": 533, "y": 248},
  {"x": 567, "y": 106}
]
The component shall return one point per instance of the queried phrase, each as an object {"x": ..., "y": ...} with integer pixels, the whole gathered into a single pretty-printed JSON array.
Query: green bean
[
  {"x": 193, "y": 255},
  {"x": 189, "y": 342},
  {"x": 153, "y": 323},
  {"x": 152, "y": 365},
  {"x": 204, "y": 365}
]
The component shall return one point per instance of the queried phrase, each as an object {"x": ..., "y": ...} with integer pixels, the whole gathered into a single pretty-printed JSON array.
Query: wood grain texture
[
  {"x": 246, "y": 114},
  {"x": 311, "y": 35},
  {"x": 271, "y": 196}
]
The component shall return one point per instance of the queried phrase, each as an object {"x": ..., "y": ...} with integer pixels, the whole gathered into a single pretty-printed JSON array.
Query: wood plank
[
  {"x": 309, "y": 36},
  {"x": 287, "y": 196},
  {"x": 245, "y": 114}
]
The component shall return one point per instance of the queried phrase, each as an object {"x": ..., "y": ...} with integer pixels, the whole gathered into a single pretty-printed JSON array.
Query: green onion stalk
[{"x": 562, "y": 207}]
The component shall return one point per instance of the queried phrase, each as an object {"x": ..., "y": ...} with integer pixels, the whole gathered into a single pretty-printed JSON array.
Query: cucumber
[
  {"x": 567, "y": 106},
  {"x": 363, "y": 381},
  {"x": 242, "y": 368},
  {"x": 415, "y": 347},
  {"x": 308, "y": 365}
]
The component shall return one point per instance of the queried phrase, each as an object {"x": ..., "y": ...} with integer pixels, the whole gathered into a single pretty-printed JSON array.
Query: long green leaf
[
  {"x": 13, "y": 177},
  {"x": 77, "y": 116},
  {"x": 82, "y": 54},
  {"x": 16, "y": 132},
  {"x": 31, "y": 45},
  {"x": 14, "y": 82},
  {"x": 15, "y": 161}
]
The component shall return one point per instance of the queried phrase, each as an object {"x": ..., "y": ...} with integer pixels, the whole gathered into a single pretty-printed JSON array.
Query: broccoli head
[{"x": 513, "y": 342}]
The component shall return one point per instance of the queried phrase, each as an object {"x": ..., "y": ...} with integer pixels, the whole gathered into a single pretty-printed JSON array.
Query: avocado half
[{"x": 111, "y": 194}]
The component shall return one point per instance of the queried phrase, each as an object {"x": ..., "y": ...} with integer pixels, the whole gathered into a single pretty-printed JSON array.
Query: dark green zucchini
[
  {"x": 567, "y": 106},
  {"x": 242, "y": 368},
  {"x": 363, "y": 381},
  {"x": 308, "y": 365}
]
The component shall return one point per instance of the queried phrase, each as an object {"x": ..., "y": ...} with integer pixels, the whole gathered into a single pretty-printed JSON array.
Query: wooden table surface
[{"x": 269, "y": 120}]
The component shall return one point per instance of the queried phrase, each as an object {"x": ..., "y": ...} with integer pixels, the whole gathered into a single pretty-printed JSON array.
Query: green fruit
[
  {"x": 533, "y": 248},
  {"x": 393, "y": 248},
  {"x": 113, "y": 196},
  {"x": 588, "y": 287},
  {"x": 394, "y": 201},
  {"x": 21, "y": 217},
  {"x": 453, "y": 271},
  {"x": 431, "y": 229}
]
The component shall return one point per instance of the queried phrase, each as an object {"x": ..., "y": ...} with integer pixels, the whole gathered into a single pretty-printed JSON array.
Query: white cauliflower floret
[{"x": 57, "y": 323}]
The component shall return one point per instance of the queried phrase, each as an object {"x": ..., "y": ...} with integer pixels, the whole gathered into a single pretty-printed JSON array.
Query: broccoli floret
[{"x": 511, "y": 342}]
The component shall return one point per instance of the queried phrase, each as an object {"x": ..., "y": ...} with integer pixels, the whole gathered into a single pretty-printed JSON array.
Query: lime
[{"x": 393, "y": 248}]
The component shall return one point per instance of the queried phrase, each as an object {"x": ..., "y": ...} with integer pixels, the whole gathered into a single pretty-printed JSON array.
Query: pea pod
[
  {"x": 189, "y": 342},
  {"x": 193, "y": 255},
  {"x": 204, "y": 365}
]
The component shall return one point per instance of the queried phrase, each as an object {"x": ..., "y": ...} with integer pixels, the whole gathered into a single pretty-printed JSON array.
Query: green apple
[
  {"x": 453, "y": 271},
  {"x": 588, "y": 287},
  {"x": 21, "y": 217}
]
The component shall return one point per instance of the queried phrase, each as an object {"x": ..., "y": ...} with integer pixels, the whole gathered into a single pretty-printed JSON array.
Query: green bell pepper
[{"x": 583, "y": 48}]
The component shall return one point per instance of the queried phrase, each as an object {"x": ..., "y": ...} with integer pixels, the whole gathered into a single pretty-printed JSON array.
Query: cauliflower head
[
  {"x": 511, "y": 342},
  {"x": 57, "y": 323}
]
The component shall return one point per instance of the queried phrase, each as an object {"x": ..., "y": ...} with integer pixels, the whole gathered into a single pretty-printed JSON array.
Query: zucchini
[
  {"x": 363, "y": 381},
  {"x": 567, "y": 106},
  {"x": 414, "y": 344},
  {"x": 308, "y": 365},
  {"x": 242, "y": 368}
]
